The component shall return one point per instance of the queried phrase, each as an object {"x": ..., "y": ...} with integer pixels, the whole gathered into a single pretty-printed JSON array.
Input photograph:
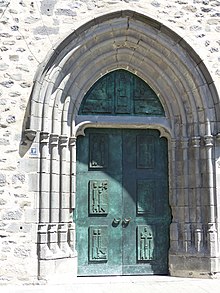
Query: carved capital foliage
[
  {"x": 62, "y": 227},
  {"x": 195, "y": 141},
  {"x": 184, "y": 142},
  {"x": 218, "y": 138},
  {"x": 54, "y": 138},
  {"x": 72, "y": 141},
  {"x": 63, "y": 140},
  {"x": 173, "y": 142},
  {"x": 44, "y": 137},
  {"x": 212, "y": 228},
  {"x": 30, "y": 134},
  {"x": 52, "y": 228},
  {"x": 42, "y": 228},
  {"x": 209, "y": 140}
]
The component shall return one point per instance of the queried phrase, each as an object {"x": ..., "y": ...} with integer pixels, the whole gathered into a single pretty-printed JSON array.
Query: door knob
[
  {"x": 126, "y": 221},
  {"x": 116, "y": 221}
]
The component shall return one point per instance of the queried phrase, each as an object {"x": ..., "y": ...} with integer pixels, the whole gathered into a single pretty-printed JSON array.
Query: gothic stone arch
[{"x": 145, "y": 47}]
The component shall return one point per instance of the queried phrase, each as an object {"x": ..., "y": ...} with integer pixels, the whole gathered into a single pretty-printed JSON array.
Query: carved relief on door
[
  {"x": 145, "y": 243},
  {"x": 146, "y": 196},
  {"x": 121, "y": 93},
  {"x": 145, "y": 152},
  {"x": 98, "y": 243},
  {"x": 122, "y": 203},
  {"x": 98, "y": 197},
  {"x": 98, "y": 151}
]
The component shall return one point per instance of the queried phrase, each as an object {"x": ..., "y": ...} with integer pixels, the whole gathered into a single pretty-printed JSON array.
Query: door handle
[
  {"x": 116, "y": 221},
  {"x": 127, "y": 221}
]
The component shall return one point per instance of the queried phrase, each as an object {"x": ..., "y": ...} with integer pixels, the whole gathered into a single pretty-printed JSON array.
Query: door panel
[
  {"x": 145, "y": 196},
  {"x": 122, "y": 202},
  {"x": 99, "y": 201}
]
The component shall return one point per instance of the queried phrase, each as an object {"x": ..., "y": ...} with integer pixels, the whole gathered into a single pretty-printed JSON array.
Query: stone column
[
  {"x": 187, "y": 243},
  {"x": 71, "y": 226},
  {"x": 43, "y": 250},
  {"x": 64, "y": 196},
  {"x": 186, "y": 232},
  {"x": 54, "y": 179},
  {"x": 185, "y": 177},
  {"x": 44, "y": 200},
  {"x": 64, "y": 230},
  {"x": 72, "y": 144},
  {"x": 64, "y": 180},
  {"x": 72, "y": 237},
  {"x": 53, "y": 239},
  {"x": 199, "y": 219},
  {"x": 217, "y": 171},
  {"x": 173, "y": 199},
  {"x": 212, "y": 231},
  {"x": 54, "y": 194}
]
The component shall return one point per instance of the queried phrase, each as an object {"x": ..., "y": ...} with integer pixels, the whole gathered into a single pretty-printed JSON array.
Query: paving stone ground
[{"x": 153, "y": 284}]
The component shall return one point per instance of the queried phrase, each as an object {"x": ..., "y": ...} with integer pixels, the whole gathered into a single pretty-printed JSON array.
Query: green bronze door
[
  {"x": 122, "y": 210},
  {"x": 99, "y": 203}
]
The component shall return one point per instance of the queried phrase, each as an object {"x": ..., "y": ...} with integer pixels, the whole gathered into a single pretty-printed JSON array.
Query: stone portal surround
[
  {"x": 134, "y": 42},
  {"x": 193, "y": 231},
  {"x": 193, "y": 201},
  {"x": 56, "y": 232}
]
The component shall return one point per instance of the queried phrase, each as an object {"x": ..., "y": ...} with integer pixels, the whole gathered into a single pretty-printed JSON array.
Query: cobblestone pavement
[{"x": 153, "y": 284}]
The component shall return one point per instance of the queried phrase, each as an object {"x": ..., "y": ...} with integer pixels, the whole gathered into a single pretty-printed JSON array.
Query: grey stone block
[
  {"x": 31, "y": 215},
  {"x": 15, "y": 214},
  {"x": 33, "y": 182}
]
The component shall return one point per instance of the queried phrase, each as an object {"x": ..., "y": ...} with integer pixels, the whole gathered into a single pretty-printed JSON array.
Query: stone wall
[{"x": 28, "y": 31}]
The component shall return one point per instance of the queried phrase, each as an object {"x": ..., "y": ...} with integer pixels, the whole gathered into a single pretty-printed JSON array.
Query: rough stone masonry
[{"x": 29, "y": 29}]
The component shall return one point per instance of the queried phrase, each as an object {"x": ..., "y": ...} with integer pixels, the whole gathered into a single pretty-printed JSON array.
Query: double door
[{"x": 122, "y": 211}]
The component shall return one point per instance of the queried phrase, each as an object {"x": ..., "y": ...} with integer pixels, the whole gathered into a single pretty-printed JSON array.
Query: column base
[
  {"x": 58, "y": 270},
  {"x": 194, "y": 267}
]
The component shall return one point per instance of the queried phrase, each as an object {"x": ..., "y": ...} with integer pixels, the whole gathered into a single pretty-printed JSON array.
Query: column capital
[
  {"x": 30, "y": 134},
  {"x": 184, "y": 141},
  {"x": 62, "y": 227},
  {"x": 209, "y": 140},
  {"x": 44, "y": 137},
  {"x": 54, "y": 138},
  {"x": 72, "y": 141},
  {"x": 63, "y": 139},
  {"x": 218, "y": 138},
  {"x": 42, "y": 228},
  {"x": 52, "y": 227},
  {"x": 173, "y": 142},
  {"x": 195, "y": 141}
]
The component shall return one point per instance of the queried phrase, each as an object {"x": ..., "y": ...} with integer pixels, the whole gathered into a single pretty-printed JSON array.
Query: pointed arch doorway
[
  {"x": 122, "y": 207},
  {"x": 166, "y": 61}
]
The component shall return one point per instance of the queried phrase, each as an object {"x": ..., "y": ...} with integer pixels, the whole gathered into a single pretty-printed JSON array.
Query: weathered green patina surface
[
  {"x": 121, "y": 93},
  {"x": 122, "y": 210}
]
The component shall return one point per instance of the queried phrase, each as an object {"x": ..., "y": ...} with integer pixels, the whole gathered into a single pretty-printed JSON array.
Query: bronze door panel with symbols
[{"x": 122, "y": 210}]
